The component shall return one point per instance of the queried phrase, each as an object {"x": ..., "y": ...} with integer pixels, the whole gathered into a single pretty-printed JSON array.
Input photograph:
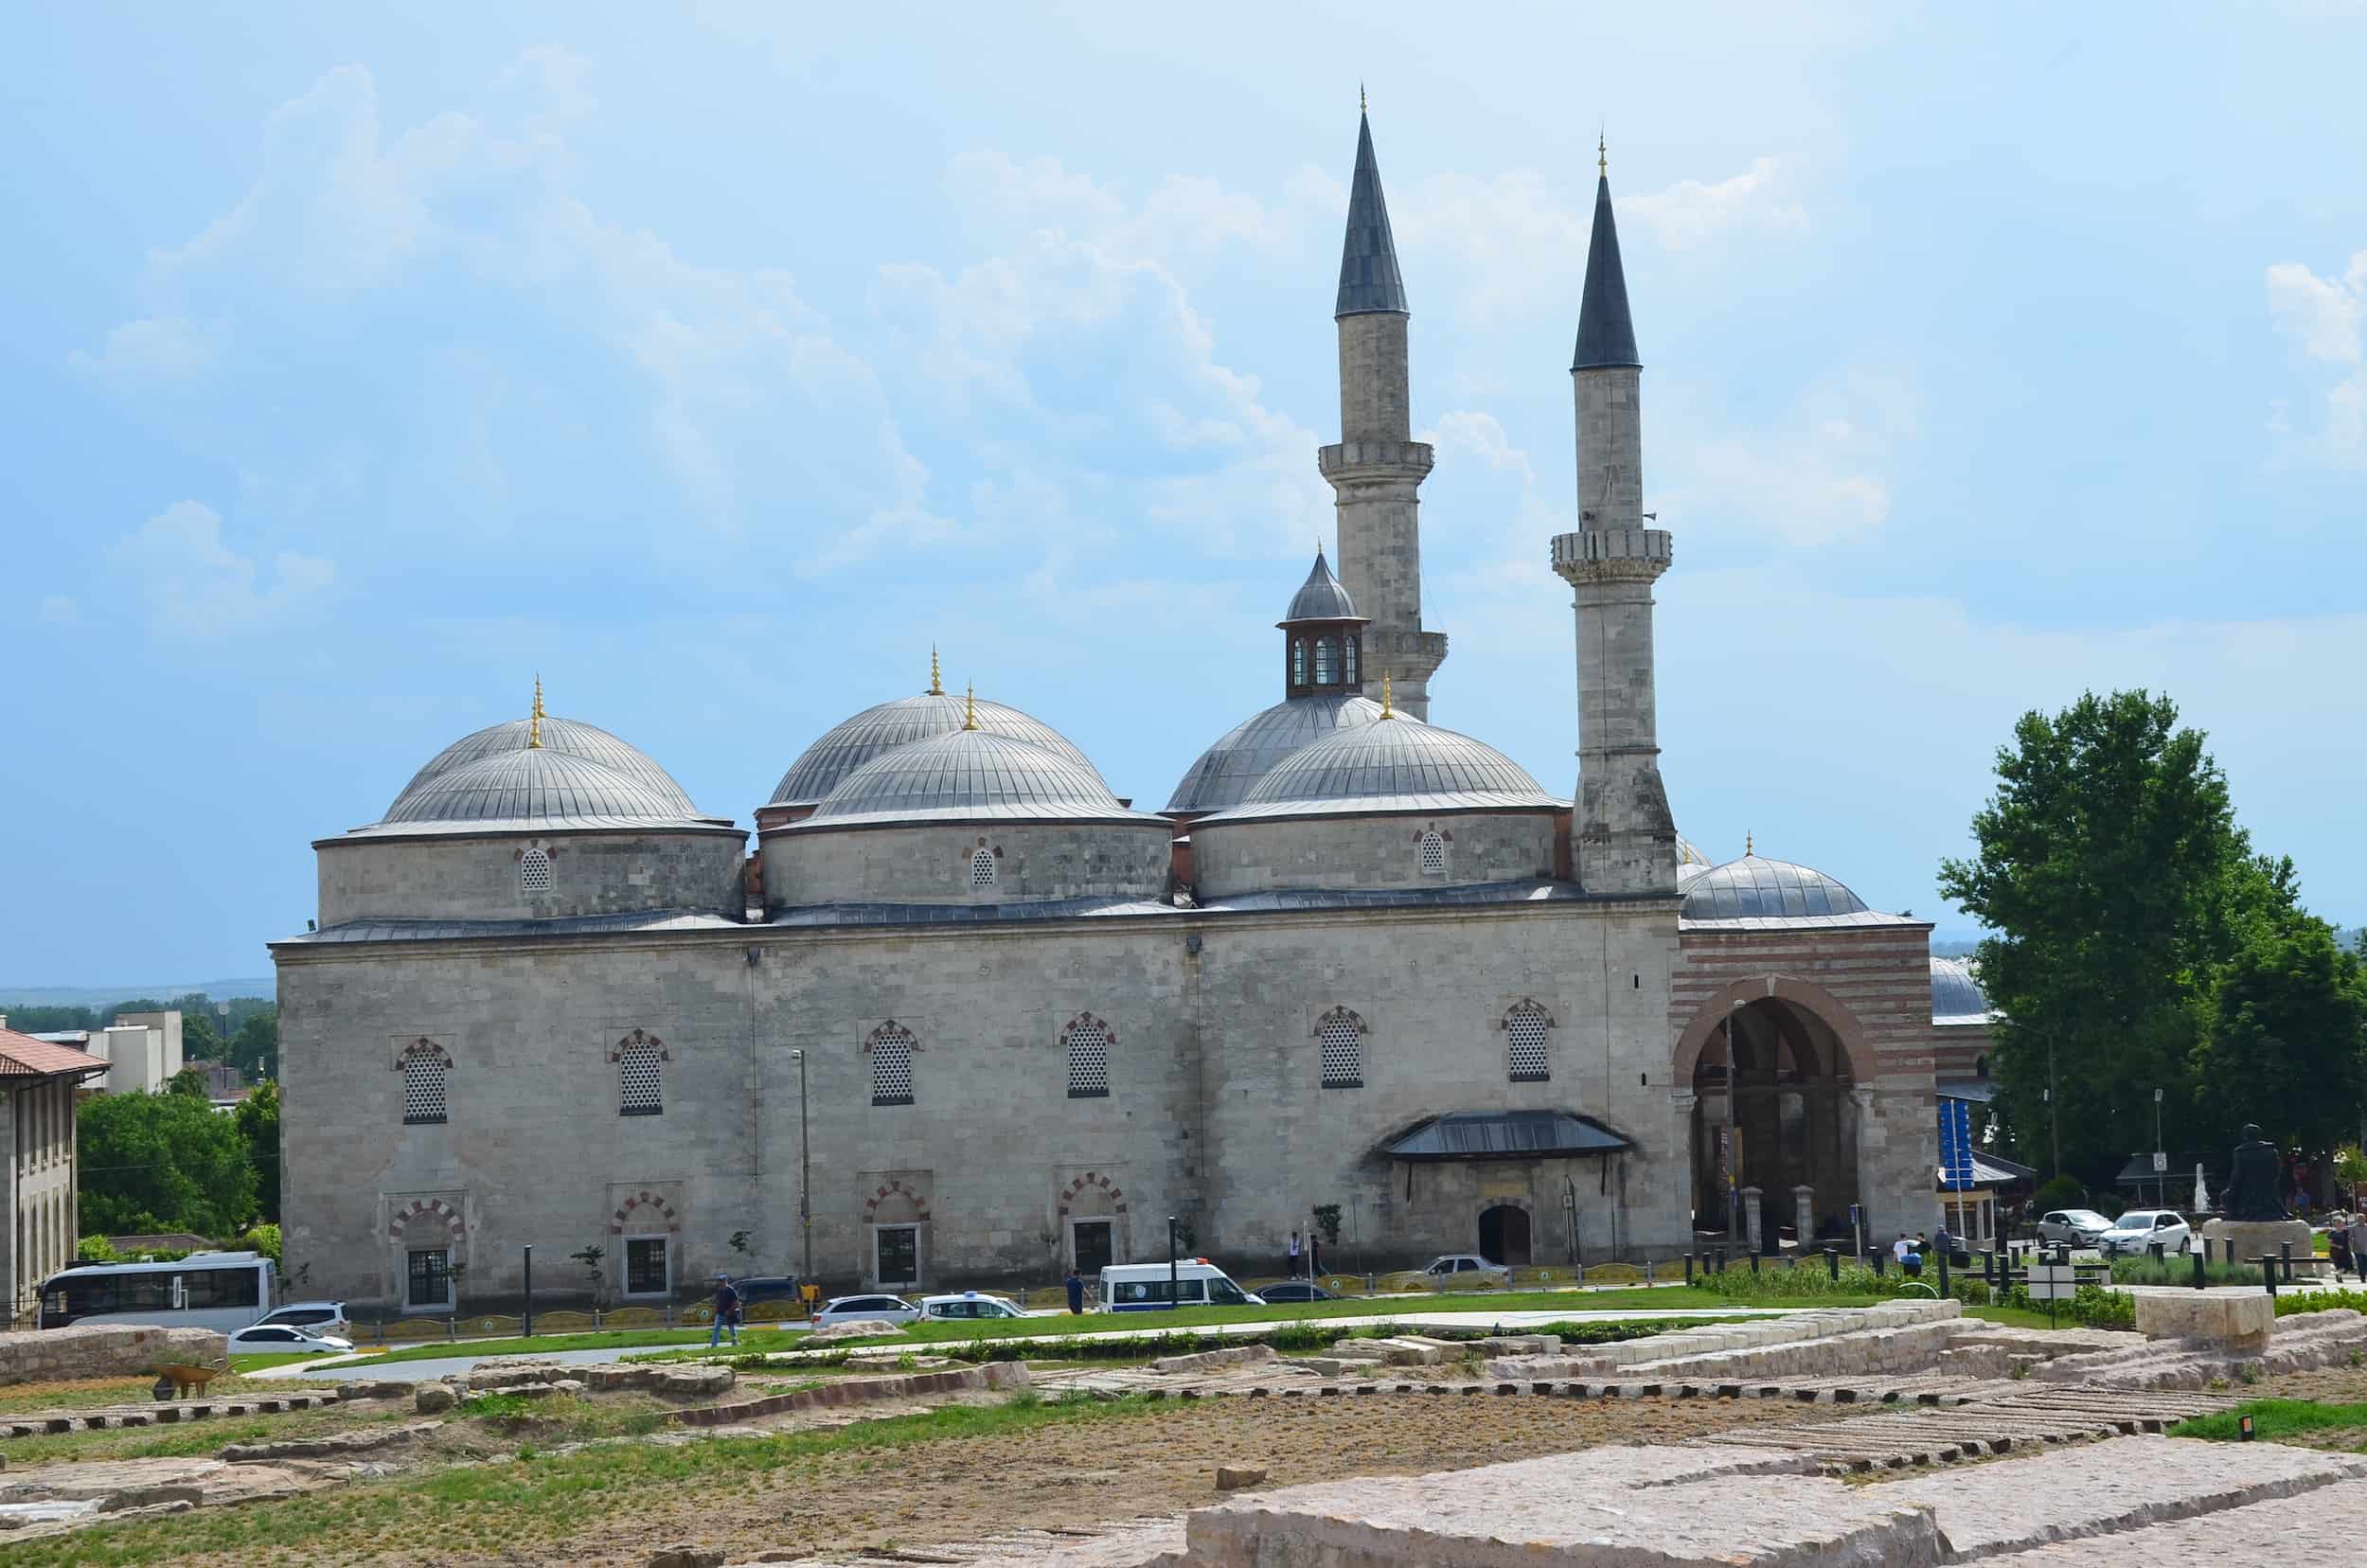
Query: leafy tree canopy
[
  {"x": 162, "y": 1163},
  {"x": 258, "y": 1121}
]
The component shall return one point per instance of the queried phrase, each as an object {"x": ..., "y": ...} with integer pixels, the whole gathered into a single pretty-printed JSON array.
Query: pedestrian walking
[
  {"x": 727, "y": 1311},
  {"x": 1900, "y": 1248},
  {"x": 2358, "y": 1245},
  {"x": 1295, "y": 1255},
  {"x": 1075, "y": 1292},
  {"x": 2338, "y": 1244},
  {"x": 1912, "y": 1261},
  {"x": 1314, "y": 1256}
]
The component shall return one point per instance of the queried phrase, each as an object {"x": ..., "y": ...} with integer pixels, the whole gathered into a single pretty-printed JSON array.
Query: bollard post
[
  {"x": 2285, "y": 1255},
  {"x": 1648, "y": 1270},
  {"x": 1754, "y": 1260},
  {"x": 1879, "y": 1255},
  {"x": 1943, "y": 1252},
  {"x": 1688, "y": 1268},
  {"x": 527, "y": 1329},
  {"x": 2268, "y": 1273},
  {"x": 1832, "y": 1265},
  {"x": 2197, "y": 1257}
]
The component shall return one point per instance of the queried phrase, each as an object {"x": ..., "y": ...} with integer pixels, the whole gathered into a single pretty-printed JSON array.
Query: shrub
[
  {"x": 2059, "y": 1193},
  {"x": 2181, "y": 1271}
]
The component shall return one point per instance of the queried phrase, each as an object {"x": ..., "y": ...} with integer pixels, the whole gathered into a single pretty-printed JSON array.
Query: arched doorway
[
  {"x": 1772, "y": 1110},
  {"x": 1505, "y": 1235}
]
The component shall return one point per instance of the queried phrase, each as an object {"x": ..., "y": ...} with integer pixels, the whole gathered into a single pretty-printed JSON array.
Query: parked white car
[
  {"x": 970, "y": 1304},
  {"x": 2077, "y": 1226},
  {"x": 2140, "y": 1231},
  {"x": 1459, "y": 1269},
  {"x": 279, "y": 1339},
  {"x": 313, "y": 1317},
  {"x": 865, "y": 1308}
]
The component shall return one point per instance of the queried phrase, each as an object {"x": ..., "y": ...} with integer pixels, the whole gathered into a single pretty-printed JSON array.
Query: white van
[{"x": 1144, "y": 1287}]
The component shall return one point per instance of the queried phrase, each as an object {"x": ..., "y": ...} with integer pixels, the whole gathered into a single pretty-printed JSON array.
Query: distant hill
[{"x": 265, "y": 987}]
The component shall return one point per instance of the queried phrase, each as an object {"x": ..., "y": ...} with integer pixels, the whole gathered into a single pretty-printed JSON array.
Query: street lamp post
[
  {"x": 2054, "y": 1132},
  {"x": 2161, "y": 1167},
  {"x": 805, "y": 1170}
]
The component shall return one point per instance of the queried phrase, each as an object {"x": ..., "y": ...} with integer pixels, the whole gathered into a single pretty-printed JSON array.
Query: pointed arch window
[
  {"x": 534, "y": 871},
  {"x": 982, "y": 868},
  {"x": 1087, "y": 1040},
  {"x": 1433, "y": 855},
  {"x": 1326, "y": 661},
  {"x": 1340, "y": 1036},
  {"x": 426, "y": 1081},
  {"x": 1528, "y": 1044},
  {"x": 891, "y": 1050},
  {"x": 640, "y": 1076}
]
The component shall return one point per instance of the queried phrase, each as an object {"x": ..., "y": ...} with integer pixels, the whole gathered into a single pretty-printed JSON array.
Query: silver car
[
  {"x": 866, "y": 1308},
  {"x": 2079, "y": 1227}
]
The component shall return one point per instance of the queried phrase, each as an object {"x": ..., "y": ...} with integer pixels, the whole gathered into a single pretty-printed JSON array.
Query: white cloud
[
  {"x": 2325, "y": 319},
  {"x": 153, "y": 349},
  {"x": 1818, "y": 477},
  {"x": 1690, "y": 213},
  {"x": 193, "y": 584}
]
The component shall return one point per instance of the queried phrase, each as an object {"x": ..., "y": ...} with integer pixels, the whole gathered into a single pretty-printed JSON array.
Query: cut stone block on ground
[{"x": 2331, "y": 1523}]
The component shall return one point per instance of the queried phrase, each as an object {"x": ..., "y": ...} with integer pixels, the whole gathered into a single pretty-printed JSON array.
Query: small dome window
[{"x": 534, "y": 871}]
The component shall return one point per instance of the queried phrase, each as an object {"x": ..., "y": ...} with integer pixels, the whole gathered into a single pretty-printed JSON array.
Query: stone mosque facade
[{"x": 964, "y": 1017}]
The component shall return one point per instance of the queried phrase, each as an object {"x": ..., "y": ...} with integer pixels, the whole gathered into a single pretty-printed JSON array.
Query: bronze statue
[{"x": 2252, "y": 1181}]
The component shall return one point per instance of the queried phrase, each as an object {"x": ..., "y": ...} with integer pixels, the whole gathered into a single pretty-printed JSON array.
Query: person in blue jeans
[{"x": 727, "y": 1311}]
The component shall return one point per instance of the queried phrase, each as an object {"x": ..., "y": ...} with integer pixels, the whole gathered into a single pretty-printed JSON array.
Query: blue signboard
[{"x": 1955, "y": 1146}]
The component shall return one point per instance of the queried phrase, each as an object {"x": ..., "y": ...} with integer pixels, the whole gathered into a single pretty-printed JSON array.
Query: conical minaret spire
[
  {"x": 1623, "y": 837},
  {"x": 1376, "y": 469}
]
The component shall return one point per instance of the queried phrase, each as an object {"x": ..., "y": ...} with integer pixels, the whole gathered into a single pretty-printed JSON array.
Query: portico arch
[{"x": 1770, "y": 1064}]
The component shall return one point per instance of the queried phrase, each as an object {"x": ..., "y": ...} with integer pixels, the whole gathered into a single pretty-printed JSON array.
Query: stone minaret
[
  {"x": 1623, "y": 839},
  {"x": 1376, "y": 468}
]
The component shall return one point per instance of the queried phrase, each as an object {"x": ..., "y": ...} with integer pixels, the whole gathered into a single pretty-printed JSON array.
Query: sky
[{"x": 712, "y": 361}]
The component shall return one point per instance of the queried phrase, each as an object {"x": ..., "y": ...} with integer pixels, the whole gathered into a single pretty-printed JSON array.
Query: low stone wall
[
  {"x": 848, "y": 1391},
  {"x": 1897, "y": 1336},
  {"x": 103, "y": 1351},
  {"x": 1208, "y": 1360}
]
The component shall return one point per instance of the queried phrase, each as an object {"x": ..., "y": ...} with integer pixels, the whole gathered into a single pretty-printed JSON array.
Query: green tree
[
  {"x": 2286, "y": 1041},
  {"x": 258, "y": 1121},
  {"x": 2104, "y": 867},
  {"x": 162, "y": 1163},
  {"x": 200, "y": 1040},
  {"x": 189, "y": 1080},
  {"x": 255, "y": 1049}
]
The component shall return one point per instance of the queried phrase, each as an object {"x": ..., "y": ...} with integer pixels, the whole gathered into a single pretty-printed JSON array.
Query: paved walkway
[{"x": 345, "y": 1368}]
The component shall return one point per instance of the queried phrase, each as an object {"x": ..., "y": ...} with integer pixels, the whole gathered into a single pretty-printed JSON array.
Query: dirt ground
[{"x": 1159, "y": 1463}]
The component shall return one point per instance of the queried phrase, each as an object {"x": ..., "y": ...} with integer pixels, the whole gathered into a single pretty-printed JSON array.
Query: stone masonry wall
[
  {"x": 1256, "y": 854},
  {"x": 102, "y": 1350},
  {"x": 931, "y": 864},
  {"x": 477, "y": 878}
]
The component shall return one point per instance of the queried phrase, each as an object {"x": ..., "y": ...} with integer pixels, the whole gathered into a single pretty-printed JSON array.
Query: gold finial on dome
[
  {"x": 1387, "y": 711},
  {"x": 534, "y": 721},
  {"x": 936, "y": 681},
  {"x": 969, "y": 707}
]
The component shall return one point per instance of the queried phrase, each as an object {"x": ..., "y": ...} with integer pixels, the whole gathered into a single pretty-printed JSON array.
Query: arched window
[
  {"x": 1528, "y": 1051},
  {"x": 982, "y": 868},
  {"x": 1298, "y": 661},
  {"x": 1341, "y": 1037},
  {"x": 1088, "y": 1042},
  {"x": 891, "y": 1049},
  {"x": 1327, "y": 662},
  {"x": 1353, "y": 647},
  {"x": 534, "y": 872},
  {"x": 425, "y": 1070},
  {"x": 1433, "y": 855},
  {"x": 640, "y": 1081}
]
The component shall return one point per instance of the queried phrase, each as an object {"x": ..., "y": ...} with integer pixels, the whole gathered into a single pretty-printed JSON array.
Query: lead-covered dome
[
  {"x": 1227, "y": 770},
  {"x": 536, "y": 788},
  {"x": 971, "y": 775},
  {"x": 828, "y": 762},
  {"x": 1956, "y": 993},
  {"x": 1756, "y": 888},
  {"x": 1393, "y": 764},
  {"x": 563, "y": 736},
  {"x": 1322, "y": 596}
]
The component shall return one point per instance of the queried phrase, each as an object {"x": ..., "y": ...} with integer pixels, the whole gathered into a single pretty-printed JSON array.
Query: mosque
[{"x": 963, "y": 1016}]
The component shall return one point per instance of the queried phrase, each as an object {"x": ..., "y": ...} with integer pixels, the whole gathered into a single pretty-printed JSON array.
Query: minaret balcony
[
  {"x": 1600, "y": 555},
  {"x": 1374, "y": 459}
]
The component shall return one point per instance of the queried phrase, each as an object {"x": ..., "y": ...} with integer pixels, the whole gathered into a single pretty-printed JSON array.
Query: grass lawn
[
  {"x": 606, "y": 1339},
  {"x": 2276, "y": 1418},
  {"x": 523, "y": 1505},
  {"x": 2019, "y": 1317},
  {"x": 257, "y": 1361}
]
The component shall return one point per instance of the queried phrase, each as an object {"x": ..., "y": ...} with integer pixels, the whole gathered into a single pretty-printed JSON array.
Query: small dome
[
  {"x": 1227, "y": 770},
  {"x": 969, "y": 776},
  {"x": 1956, "y": 993},
  {"x": 1321, "y": 597},
  {"x": 1394, "y": 764},
  {"x": 565, "y": 736},
  {"x": 828, "y": 762},
  {"x": 538, "y": 787},
  {"x": 1757, "y": 888}
]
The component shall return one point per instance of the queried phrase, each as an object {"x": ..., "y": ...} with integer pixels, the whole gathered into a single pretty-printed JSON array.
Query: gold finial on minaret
[
  {"x": 534, "y": 720},
  {"x": 1747, "y": 850},
  {"x": 1602, "y": 154},
  {"x": 936, "y": 682},
  {"x": 969, "y": 707},
  {"x": 1387, "y": 711},
  {"x": 1359, "y": 98}
]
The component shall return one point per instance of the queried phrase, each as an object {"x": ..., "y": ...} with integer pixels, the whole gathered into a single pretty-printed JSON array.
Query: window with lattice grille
[
  {"x": 1352, "y": 647},
  {"x": 982, "y": 868},
  {"x": 1343, "y": 1052},
  {"x": 1327, "y": 662},
  {"x": 1433, "y": 855},
  {"x": 891, "y": 1066},
  {"x": 534, "y": 871},
  {"x": 423, "y": 1088},
  {"x": 1298, "y": 661},
  {"x": 1527, "y": 1033},
  {"x": 1088, "y": 1060},
  {"x": 640, "y": 1081}
]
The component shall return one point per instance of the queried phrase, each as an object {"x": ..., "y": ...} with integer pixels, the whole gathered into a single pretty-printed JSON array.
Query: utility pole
[{"x": 2054, "y": 1130}]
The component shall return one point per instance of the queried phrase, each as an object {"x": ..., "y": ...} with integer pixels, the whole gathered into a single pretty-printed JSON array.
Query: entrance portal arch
[
  {"x": 1771, "y": 1065},
  {"x": 1504, "y": 1235}
]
